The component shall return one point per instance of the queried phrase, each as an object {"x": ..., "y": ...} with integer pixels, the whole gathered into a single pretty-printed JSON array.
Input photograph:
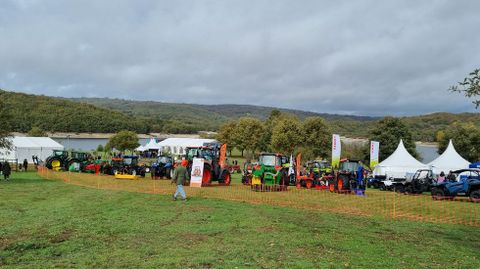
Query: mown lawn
[{"x": 52, "y": 224}]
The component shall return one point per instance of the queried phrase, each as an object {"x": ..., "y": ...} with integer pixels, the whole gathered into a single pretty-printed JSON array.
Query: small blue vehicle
[
  {"x": 163, "y": 167},
  {"x": 463, "y": 182}
]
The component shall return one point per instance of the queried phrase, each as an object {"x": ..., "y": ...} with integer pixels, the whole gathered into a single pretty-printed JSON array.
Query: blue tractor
[
  {"x": 163, "y": 167},
  {"x": 463, "y": 182}
]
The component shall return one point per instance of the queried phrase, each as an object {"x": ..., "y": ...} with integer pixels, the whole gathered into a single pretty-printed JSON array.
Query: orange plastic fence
[{"x": 374, "y": 203}]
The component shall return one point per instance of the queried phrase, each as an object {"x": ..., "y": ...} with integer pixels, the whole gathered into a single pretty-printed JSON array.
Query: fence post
[{"x": 394, "y": 204}]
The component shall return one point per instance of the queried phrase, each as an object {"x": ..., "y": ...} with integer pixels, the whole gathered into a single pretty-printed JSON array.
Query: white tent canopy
[
  {"x": 26, "y": 147},
  {"x": 177, "y": 146},
  {"x": 449, "y": 160},
  {"x": 140, "y": 148},
  {"x": 151, "y": 145},
  {"x": 399, "y": 164}
]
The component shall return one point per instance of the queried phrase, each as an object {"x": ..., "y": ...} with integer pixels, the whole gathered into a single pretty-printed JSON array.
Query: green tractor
[
  {"x": 270, "y": 174},
  {"x": 57, "y": 161},
  {"x": 77, "y": 161},
  {"x": 319, "y": 169}
]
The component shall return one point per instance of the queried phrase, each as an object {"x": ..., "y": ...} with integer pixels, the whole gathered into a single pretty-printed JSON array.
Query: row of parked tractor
[
  {"x": 87, "y": 163},
  {"x": 463, "y": 182},
  {"x": 275, "y": 172}
]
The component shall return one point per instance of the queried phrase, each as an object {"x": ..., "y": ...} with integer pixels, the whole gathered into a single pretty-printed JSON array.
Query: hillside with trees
[
  {"x": 102, "y": 115},
  {"x": 26, "y": 111}
]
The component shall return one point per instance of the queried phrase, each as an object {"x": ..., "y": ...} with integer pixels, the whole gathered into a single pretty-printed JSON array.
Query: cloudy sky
[{"x": 350, "y": 57}]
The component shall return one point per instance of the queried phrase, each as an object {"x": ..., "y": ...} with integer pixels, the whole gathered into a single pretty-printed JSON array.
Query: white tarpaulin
[
  {"x": 26, "y": 147},
  {"x": 449, "y": 160},
  {"x": 399, "y": 164},
  {"x": 177, "y": 146}
]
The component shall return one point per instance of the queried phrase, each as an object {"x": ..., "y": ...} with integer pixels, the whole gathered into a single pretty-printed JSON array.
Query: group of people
[{"x": 450, "y": 177}]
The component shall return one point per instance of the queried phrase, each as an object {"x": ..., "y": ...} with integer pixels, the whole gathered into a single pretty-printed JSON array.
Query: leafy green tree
[
  {"x": 100, "y": 148},
  {"x": 317, "y": 136},
  {"x": 287, "y": 135},
  {"x": 248, "y": 134},
  {"x": 470, "y": 86},
  {"x": 226, "y": 135},
  {"x": 37, "y": 132},
  {"x": 466, "y": 139},
  {"x": 388, "y": 132},
  {"x": 123, "y": 140}
]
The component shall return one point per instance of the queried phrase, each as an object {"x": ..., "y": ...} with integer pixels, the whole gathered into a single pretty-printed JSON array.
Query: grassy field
[{"x": 52, "y": 224}]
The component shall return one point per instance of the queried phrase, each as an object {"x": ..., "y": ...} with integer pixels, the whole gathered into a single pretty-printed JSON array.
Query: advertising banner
[
  {"x": 374, "y": 151},
  {"x": 336, "y": 150},
  {"x": 197, "y": 173}
]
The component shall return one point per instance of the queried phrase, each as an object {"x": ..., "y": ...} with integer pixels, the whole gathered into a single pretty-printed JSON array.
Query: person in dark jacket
[
  {"x": 6, "y": 170},
  {"x": 25, "y": 165},
  {"x": 180, "y": 175}
]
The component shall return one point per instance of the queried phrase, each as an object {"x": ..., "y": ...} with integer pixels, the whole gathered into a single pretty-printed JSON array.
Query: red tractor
[
  {"x": 215, "y": 167},
  {"x": 346, "y": 179}
]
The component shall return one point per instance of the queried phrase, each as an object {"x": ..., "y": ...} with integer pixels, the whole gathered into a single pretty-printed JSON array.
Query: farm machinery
[
  {"x": 214, "y": 167},
  {"x": 63, "y": 160},
  {"x": 126, "y": 167},
  {"x": 316, "y": 174},
  {"x": 162, "y": 167},
  {"x": 270, "y": 174},
  {"x": 464, "y": 182},
  {"x": 421, "y": 182},
  {"x": 247, "y": 173},
  {"x": 348, "y": 178}
]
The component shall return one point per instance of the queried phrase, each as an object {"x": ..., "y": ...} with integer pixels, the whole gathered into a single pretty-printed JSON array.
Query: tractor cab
[
  {"x": 349, "y": 166},
  {"x": 130, "y": 160},
  {"x": 272, "y": 159},
  {"x": 60, "y": 153},
  {"x": 81, "y": 156},
  {"x": 319, "y": 168}
]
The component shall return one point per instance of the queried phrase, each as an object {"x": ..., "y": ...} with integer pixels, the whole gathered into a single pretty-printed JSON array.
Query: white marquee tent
[
  {"x": 399, "y": 164},
  {"x": 176, "y": 146},
  {"x": 151, "y": 145},
  {"x": 449, "y": 160},
  {"x": 26, "y": 147}
]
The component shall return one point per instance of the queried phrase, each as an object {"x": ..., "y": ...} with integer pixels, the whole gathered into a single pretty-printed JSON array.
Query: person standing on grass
[
  {"x": 25, "y": 165},
  {"x": 6, "y": 170},
  {"x": 180, "y": 175}
]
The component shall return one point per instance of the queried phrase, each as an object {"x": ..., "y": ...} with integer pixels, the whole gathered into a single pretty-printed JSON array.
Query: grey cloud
[{"x": 360, "y": 57}]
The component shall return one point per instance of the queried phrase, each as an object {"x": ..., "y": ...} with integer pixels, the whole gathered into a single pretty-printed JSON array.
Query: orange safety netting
[{"x": 375, "y": 203}]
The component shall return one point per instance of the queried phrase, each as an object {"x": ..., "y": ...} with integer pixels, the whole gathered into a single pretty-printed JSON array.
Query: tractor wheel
[
  {"x": 331, "y": 186},
  {"x": 399, "y": 188},
  {"x": 74, "y": 162},
  {"x": 227, "y": 178},
  {"x": 298, "y": 185},
  {"x": 309, "y": 184},
  {"x": 438, "y": 194},
  {"x": 408, "y": 189},
  {"x": 340, "y": 184},
  {"x": 475, "y": 196},
  {"x": 207, "y": 175},
  {"x": 54, "y": 163}
]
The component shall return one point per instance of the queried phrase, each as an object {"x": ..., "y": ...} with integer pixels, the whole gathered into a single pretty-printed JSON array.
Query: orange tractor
[{"x": 215, "y": 167}]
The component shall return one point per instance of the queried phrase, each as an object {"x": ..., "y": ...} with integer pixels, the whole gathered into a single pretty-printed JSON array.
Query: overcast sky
[{"x": 350, "y": 57}]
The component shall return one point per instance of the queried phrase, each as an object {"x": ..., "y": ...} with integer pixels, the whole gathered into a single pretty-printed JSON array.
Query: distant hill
[
  {"x": 104, "y": 115},
  {"x": 211, "y": 117},
  {"x": 52, "y": 114}
]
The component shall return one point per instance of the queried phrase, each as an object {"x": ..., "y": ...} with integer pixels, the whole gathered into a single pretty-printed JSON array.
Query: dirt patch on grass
[
  {"x": 62, "y": 237},
  {"x": 194, "y": 237}
]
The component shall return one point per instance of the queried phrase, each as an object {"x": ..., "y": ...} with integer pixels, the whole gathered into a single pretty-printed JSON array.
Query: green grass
[{"x": 52, "y": 224}]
